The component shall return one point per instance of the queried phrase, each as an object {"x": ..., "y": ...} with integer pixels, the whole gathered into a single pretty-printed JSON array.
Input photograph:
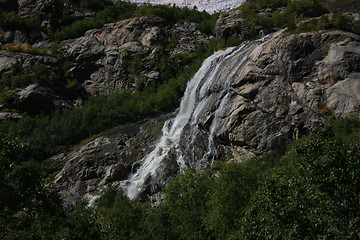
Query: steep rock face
[
  {"x": 120, "y": 54},
  {"x": 104, "y": 161},
  {"x": 282, "y": 88},
  {"x": 290, "y": 85}
]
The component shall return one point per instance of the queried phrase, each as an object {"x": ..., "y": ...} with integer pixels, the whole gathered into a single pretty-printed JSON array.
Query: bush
[
  {"x": 110, "y": 13},
  {"x": 11, "y": 20},
  {"x": 315, "y": 196}
]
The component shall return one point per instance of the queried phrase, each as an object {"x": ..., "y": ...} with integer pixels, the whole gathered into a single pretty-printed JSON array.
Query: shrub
[
  {"x": 120, "y": 10},
  {"x": 11, "y": 20},
  {"x": 315, "y": 195}
]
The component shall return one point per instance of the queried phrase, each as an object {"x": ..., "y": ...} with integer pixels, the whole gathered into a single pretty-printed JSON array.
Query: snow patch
[{"x": 209, "y": 6}]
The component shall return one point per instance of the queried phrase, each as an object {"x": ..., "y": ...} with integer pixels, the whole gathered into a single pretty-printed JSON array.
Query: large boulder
[
  {"x": 34, "y": 93},
  {"x": 37, "y": 99}
]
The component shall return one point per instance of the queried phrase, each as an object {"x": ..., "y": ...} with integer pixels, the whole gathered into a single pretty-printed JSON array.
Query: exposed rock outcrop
[
  {"x": 33, "y": 7},
  {"x": 119, "y": 54},
  {"x": 104, "y": 161},
  {"x": 230, "y": 24},
  {"x": 17, "y": 37},
  {"x": 36, "y": 99},
  {"x": 33, "y": 96},
  {"x": 24, "y": 60},
  {"x": 289, "y": 85}
]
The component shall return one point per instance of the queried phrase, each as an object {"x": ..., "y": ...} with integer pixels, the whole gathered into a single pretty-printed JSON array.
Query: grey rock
[
  {"x": 32, "y": 7},
  {"x": 104, "y": 162},
  {"x": 9, "y": 116},
  {"x": 17, "y": 37},
  {"x": 24, "y": 60},
  {"x": 289, "y": 85},
  {"x": 102, "y": 57}
]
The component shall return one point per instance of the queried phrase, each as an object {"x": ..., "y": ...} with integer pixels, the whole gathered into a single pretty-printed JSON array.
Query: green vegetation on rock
[{"x": 297, "y": 16}]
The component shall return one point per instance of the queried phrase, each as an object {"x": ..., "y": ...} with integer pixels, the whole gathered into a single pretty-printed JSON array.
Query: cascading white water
[{"x": 204, "y": 98}]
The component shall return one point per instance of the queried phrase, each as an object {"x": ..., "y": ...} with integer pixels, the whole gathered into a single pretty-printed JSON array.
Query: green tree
[
  {"x": 315, "y": 196},
  {"x": 185, "y": 200},
  {"x": 24, "y": 202},
  {"x": 231, "y": 192},
  {"x": 120, "y": 218}
]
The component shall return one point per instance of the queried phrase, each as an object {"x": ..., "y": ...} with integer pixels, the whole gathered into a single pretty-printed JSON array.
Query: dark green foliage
[
  {"x": 22, "y": 77},
  {"x": 262, "y": 4},
  {"x": 186, "y": 203},
  {"x": 119, "y": 11},
  {"x": 298, "y": 16},
  {"x": 82, "y": 223},
  {"x": 312, "y": 192},
  {"x": 269, "y": 15},
  {"x": 231, "y": 193},
  {"x": 24, "y": 203},
  {"x": 335, "y": 21},
  {"x": 306, "y": 8},
  {"x": 11, "y": 20},
  {"x": 122, "y": 220},
  {"x": 176, "y": 14},
  {"x": 316, "y": 196}
]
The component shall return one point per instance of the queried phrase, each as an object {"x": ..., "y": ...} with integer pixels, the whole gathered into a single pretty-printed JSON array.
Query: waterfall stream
[{"x": 188, "y": 140}]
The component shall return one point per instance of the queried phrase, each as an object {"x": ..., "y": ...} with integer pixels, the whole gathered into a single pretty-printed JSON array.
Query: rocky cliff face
[
  {"x": 105, "y": 161},
  {"x": 289, "y": 85},
  {"x": 124, "y": 55},
  {"x": 286, "y": 86}
]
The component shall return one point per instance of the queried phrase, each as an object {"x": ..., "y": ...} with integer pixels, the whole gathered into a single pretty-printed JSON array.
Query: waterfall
[{"x": 188, "y": 140}]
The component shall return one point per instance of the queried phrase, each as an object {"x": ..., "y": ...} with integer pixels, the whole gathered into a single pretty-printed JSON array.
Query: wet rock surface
[
  {"x": 290, "y": 85},
  {"x": 105, "y": 161}
]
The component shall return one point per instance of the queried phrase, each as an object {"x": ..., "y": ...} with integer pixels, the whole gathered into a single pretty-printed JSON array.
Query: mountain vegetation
[{"x": 311, "y": 192}]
